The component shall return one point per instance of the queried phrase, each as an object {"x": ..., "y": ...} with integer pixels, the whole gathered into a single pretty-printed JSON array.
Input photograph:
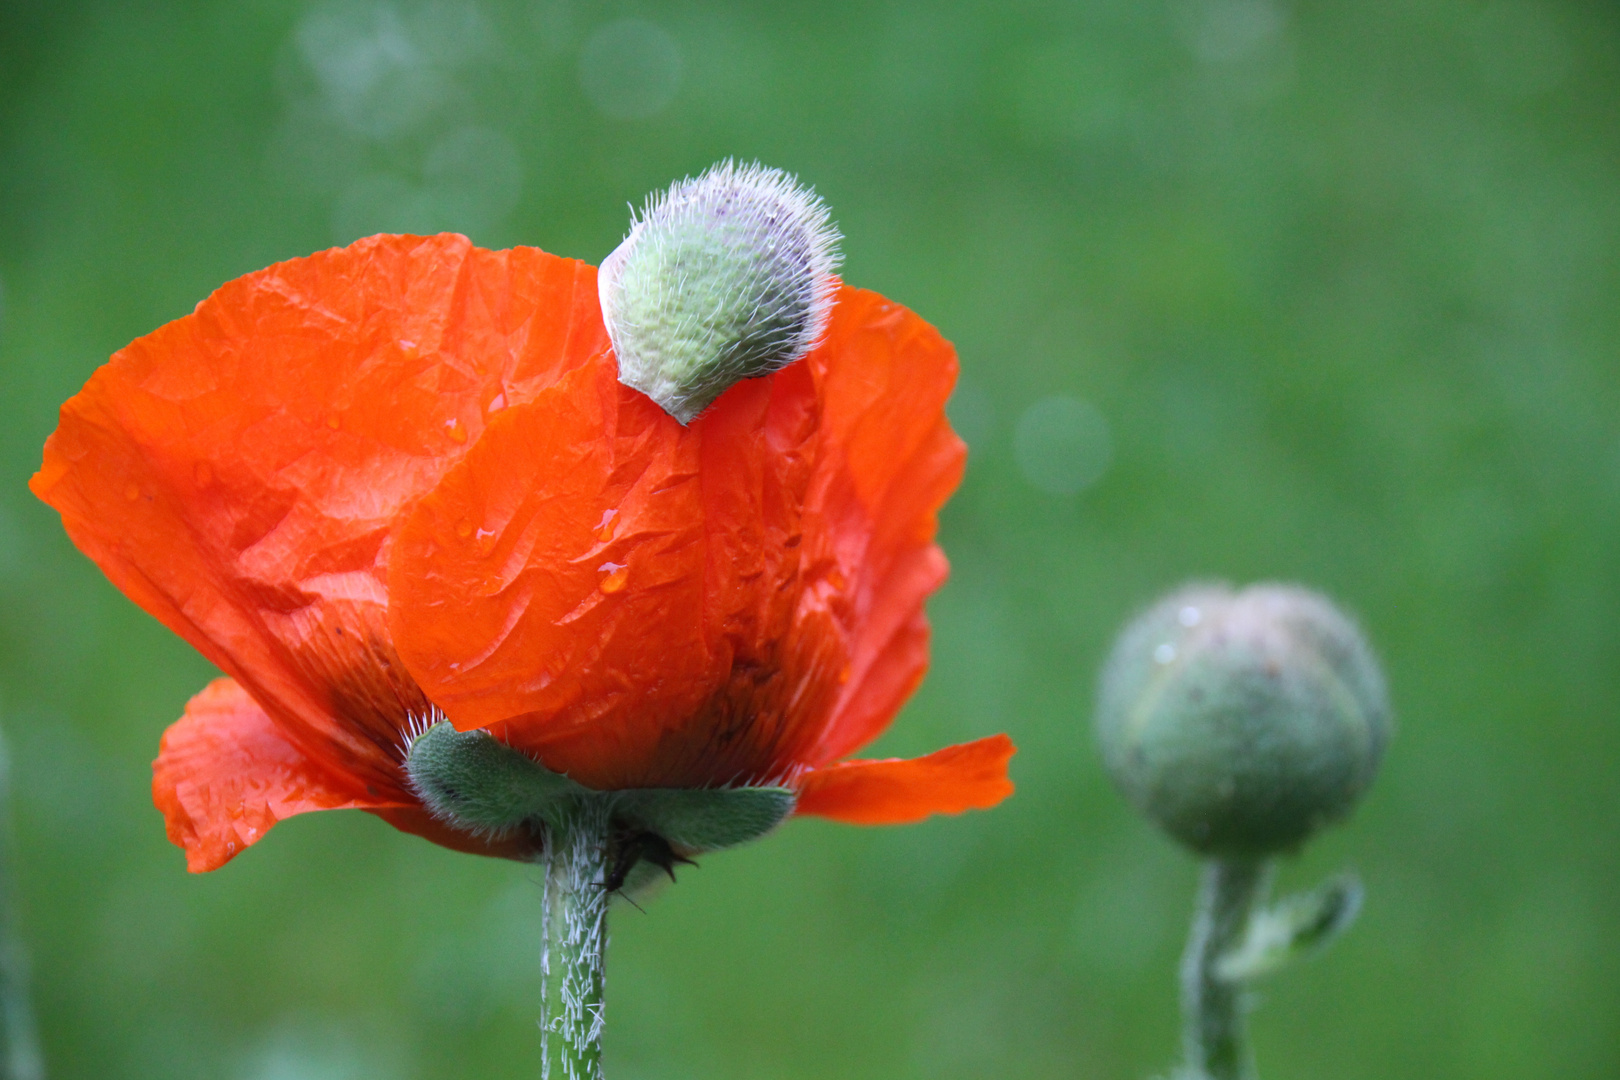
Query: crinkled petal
[
  {"x": 594, "y": 576},
  {"x": 226, "y": 773},
  {"x": 236, "y": 472},
  {"x": 897, "y": 791},
  {"x": 643, "y": 604},
  {"x": 888, "y": 461}
]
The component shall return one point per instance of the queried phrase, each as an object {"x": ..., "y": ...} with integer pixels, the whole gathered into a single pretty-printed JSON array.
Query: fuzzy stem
[
  {"x": 1213, "y": 1008},
  {"x": 575, "y": 943}
]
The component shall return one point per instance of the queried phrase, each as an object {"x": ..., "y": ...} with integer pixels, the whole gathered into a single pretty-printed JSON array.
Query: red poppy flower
[{"x": 402, "y": 477}]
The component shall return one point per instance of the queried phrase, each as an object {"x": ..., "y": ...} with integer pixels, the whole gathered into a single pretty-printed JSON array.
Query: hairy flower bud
[
  {"x": 723, "y": 278},
  {"x": 1241, "y": 722}
]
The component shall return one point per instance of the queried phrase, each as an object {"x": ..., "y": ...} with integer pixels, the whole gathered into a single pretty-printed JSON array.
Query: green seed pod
[
  {"x": 1242, "y": 722},
  {"x": 723, "y": 278}
]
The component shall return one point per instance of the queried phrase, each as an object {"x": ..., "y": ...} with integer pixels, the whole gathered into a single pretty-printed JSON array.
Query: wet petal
[
  {"x": 236, "y": 472},
  {"x": 896, "y": 791},
  {"x": 889, "y": 460},
  {"x": 769, "y": 564},
  {"x": 226, "y": 773},
  {"x": 593, "y": 576}
]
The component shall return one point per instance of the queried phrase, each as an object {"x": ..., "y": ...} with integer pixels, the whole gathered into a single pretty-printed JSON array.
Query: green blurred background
[{"x": 1242, "y": 288}]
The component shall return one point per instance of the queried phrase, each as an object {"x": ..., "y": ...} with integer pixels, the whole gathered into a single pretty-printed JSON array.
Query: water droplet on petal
[
  {"x": 332, "y": 421},
  {"x": 617, "y": 575},
  {"x": 457, "y": 432},
  {"x": 132, "y": 492},
  {"x": 608, "y": 525},
  {"x": 836, "y": 579},
  {"x": 464, "y": 528}
]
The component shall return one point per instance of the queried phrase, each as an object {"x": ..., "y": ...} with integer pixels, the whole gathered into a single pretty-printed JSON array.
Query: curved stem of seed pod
[
  {"x": 573, "y": 960},
  {"x": 1213, "y": 1007}
]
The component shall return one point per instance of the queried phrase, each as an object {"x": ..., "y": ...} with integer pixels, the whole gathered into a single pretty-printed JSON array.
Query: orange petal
[
  {"x": 897, "y": 791},
  {"x": 236, "y": 472},
  {"x": 571, "y": 519},
  {"x": 593, "y": 572},
  {"x": 889, "y": 462},
  {"x": 645, "y": 605},
  {"x": 226, "y": 773}
]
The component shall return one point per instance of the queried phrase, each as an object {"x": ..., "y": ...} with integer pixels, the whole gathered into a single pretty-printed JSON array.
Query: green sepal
[
  {"x": 695, "y": 820},
  {"x": 1293, "y": 928},
  {"x": 480, "y": 784}
]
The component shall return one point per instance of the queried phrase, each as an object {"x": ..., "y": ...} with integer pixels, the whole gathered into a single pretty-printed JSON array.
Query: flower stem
[
  {"x": 1213, "y": 1007},
  {"x": 576, "y": 939}
]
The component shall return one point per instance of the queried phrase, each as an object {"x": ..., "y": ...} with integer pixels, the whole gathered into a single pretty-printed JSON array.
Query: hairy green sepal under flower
[
  {"x": 705, "y": 819},
  {"x": 471, "y": 780},
  {"x": 480, "y": 784},
  {"x": 725, "y": 277}
]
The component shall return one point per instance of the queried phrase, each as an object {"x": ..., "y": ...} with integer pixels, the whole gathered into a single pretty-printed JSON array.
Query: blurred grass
[{"x": 1341, "y": 281}]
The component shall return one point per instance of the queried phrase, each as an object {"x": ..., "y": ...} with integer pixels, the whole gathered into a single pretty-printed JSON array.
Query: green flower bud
[
  {"x": 1242, "y": 722},
  {"x": 723, "y": 278}
]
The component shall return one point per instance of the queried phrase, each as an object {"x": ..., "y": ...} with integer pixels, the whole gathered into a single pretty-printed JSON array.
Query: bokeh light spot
[
  {"x": 475, "y": 178},
  {"x": 318, "y": 1050},
  {"x": 1063, "y": 445},
  {"x": 630, "y": 69},
  {"x": 1226, "y": 31},
  {"x": 373, "y": 71},
  {"x": 382, "y": 202},
  {"x": 971, "y": 413}
]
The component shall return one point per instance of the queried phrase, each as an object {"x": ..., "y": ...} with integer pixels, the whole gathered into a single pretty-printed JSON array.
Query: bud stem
[
  {"x": 1213, "y": 1008},
  {"x": 576, "y": 903}
]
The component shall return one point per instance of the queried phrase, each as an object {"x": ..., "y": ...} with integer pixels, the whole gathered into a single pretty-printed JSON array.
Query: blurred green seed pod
[
  {"x": 1242, "y": 722},
  {"x": 725, "y": 277}
]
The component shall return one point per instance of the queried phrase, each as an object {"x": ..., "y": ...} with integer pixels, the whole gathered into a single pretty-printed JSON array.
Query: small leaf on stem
[{"x": 1293, "y": 928}]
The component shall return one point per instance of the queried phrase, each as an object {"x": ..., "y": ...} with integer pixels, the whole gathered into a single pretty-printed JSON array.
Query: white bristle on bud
[{"x": 725, "y": 277}]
